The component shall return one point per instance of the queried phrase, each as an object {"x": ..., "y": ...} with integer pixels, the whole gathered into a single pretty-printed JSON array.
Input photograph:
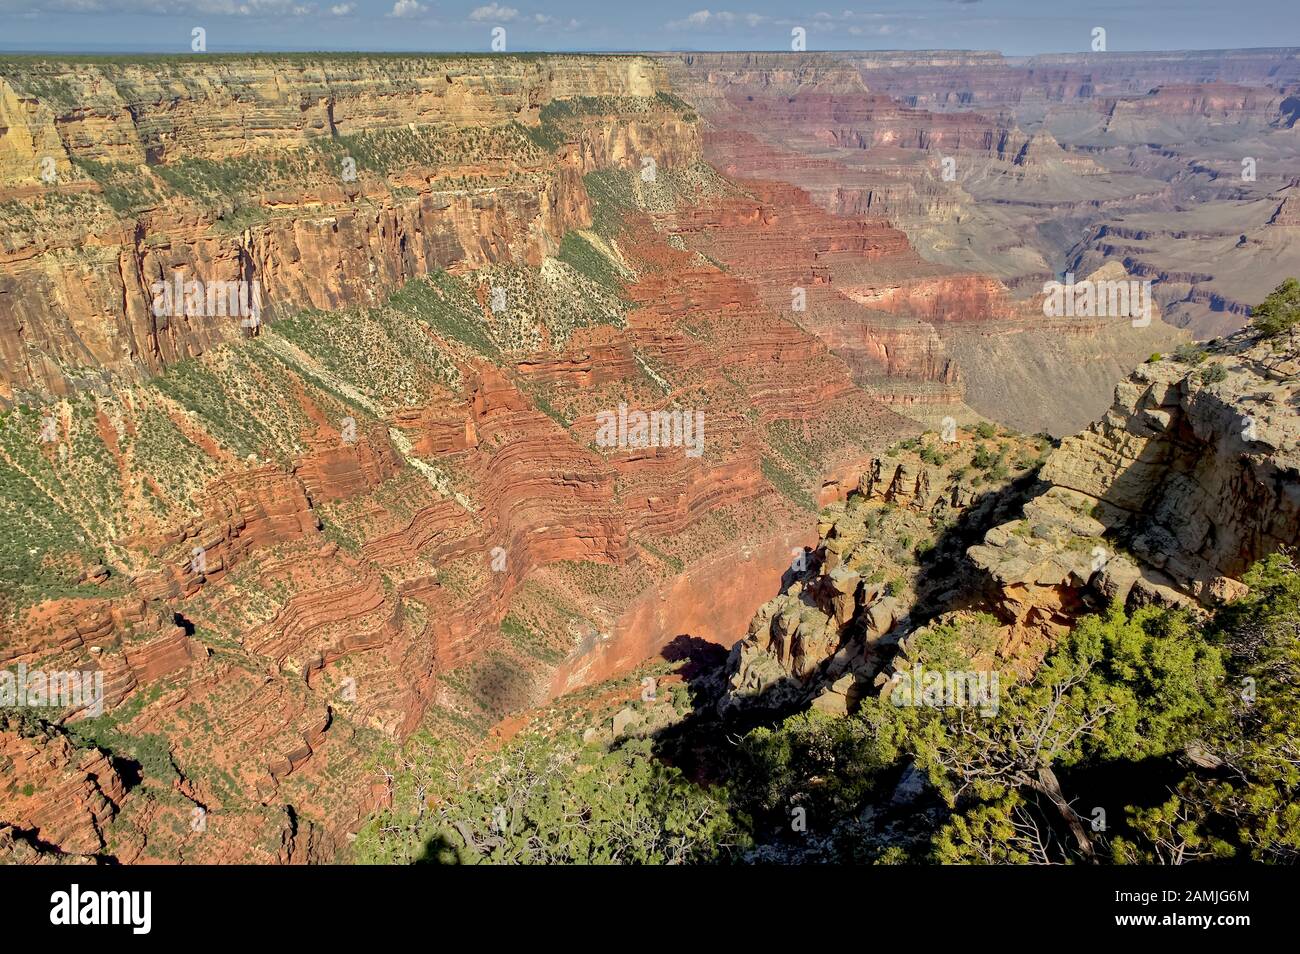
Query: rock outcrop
[
  {"x": 881, "y": 567},
  {"x": 1191, "y": 476},
  {"x": 59, "y": 798}
]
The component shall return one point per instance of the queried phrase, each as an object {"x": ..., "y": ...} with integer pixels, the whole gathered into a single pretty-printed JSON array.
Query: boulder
[{"x": 625, "y": 720}]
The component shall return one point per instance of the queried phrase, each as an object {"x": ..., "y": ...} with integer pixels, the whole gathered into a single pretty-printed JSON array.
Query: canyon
[{"x": 378, "y": 507}]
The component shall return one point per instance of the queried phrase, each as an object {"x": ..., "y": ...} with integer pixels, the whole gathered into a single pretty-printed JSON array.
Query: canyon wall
[
  {"x": 1019, "y": 168},
  {"x": 384, "y": 506},
  {"x": 384, "y": 502},
  {"x": 328, "y": 182}
]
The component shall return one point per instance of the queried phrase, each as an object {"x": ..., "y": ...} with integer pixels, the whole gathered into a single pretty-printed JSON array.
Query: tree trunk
[{"x": 1046, "y": 784}]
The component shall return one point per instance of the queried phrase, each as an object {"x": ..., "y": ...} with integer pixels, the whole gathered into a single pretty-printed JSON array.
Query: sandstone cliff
[
  {"x": 1019, "y": 168},
  {"x": 1189, "y": 477},
  {"x": 328, "y": 182},
  {"x": 385, "y": 509}
]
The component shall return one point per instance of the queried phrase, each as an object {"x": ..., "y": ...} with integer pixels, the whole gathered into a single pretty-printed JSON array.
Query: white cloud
[
  {"x": 409, "y": 9},
  {"x": 226, "y": 8},
  {"x": 401, "y": 9},
  {"x": 494, "y": 12},
  {"x": 69, "y": 6},
  {"x": 882, "y": 30},
  {"x": 550, "y": 22},
  {"x": 723, "y": 18}
]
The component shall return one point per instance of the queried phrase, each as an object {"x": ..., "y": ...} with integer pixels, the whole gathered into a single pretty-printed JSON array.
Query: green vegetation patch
[
  {"x": 787, "y": 483},
  {"x": 587, "y": 260},
  {"x": 1279, "y": 312},
  {"x": 128, "y": 189}
]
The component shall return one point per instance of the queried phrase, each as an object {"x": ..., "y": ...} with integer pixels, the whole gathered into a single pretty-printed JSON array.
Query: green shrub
[
  {"x": 1279, "y": 312},
  {"x": 1213, "y": 373}
]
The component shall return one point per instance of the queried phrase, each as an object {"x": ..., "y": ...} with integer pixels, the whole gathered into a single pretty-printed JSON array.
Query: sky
[{"x": 1015, "y": 27}]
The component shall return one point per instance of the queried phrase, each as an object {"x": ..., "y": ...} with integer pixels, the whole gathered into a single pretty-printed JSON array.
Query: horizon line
[{"x": 7, "y": 50}]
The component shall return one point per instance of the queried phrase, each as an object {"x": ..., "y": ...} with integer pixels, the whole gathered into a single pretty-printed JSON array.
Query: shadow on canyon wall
[{"x": 707, "y": 745}]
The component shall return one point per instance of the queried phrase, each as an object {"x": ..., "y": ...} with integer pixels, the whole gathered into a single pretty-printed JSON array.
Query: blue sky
[{"x": 1012, "y": 26}]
